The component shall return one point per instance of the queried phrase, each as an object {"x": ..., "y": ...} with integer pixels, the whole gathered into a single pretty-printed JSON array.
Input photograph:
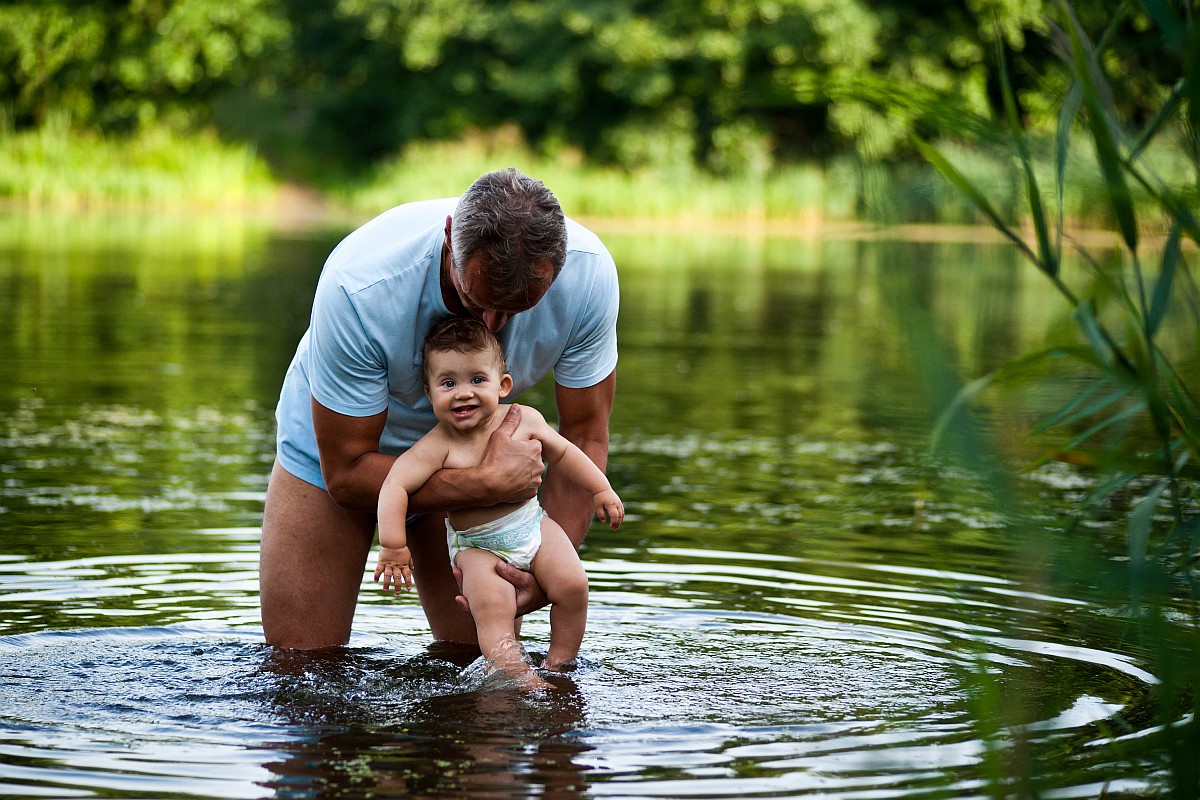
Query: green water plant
[
  {"x": 1125, "y": 380},
  {"x": 1133, "y": 410}
]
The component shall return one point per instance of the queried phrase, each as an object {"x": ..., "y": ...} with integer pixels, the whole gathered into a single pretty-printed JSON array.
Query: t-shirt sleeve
[
  {"x": 347, "y": 372},
  {"x": 592, "y": 353}
]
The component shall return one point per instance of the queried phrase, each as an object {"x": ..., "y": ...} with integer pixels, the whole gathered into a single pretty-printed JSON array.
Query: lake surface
[{"x": 802, "y": 601}]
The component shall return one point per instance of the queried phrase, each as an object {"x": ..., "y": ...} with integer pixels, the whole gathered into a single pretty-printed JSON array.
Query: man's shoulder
[
  {"x": 581, "y": 240},
  {"x": 397, "y": 242}
]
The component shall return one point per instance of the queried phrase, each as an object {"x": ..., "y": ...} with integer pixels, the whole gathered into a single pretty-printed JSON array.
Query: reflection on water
[{"x": 798, "y": 604}]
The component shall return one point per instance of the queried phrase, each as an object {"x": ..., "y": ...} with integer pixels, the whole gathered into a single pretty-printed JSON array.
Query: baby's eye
[
  {"x": 478, "y": 379},
  {"x": 447, "y": 384}
]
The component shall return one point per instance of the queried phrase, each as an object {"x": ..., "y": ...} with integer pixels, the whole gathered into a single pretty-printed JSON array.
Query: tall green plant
[
  {"x": 1137, "y": 414},
  {"x": 1134, "y": 412}
]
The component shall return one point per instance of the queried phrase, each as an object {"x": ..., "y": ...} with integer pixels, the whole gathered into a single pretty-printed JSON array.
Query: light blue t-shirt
[{"x": 380, "y": 294}]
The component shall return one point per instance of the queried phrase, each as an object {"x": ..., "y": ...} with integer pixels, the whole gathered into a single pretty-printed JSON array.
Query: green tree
[{"x": 115, "y": 64}]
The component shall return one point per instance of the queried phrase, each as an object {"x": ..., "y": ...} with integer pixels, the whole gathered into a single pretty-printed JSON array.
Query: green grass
[
  {"x": 587, "y": 190},
  {"x": 57, "y": 168}
]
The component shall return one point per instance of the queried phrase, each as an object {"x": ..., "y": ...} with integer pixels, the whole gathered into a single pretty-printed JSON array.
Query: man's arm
[
  {"x": 510, "y": 472},
  {"x": 351, "y": 465},
  {"x": 354, "y": 470}
]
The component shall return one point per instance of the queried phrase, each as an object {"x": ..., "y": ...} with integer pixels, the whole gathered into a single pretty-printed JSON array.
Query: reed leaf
[
  {"x": 1129, "y": 411},
  {"x": 961, "y": 399},
  {"x": 1170, "y": 203},
  {"x": 1168, "y": 22},
  {"x": 1085, "y": 315},
  {"x": 1066, "y": 121},
  {"x": 1091, "y": 81},
  {"x": 1183, "y": 411},
  {"x": 1154, "y": 126},
  {"x": 1078, "y": 408},
  {"x": 1191, "y": 76},
  {"x": 1109, "y": 459},
  {"x": 1141, "y": 522},
  {"x": 1107, "y": 488},
  {"x": 1049, "y": 256},
  {"x": 952, "y": 174},
  {"x": 1161, "y": 299}
]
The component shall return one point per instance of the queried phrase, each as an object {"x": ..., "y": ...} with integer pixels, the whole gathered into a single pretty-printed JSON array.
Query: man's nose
[{"x": 495, "y": 320}]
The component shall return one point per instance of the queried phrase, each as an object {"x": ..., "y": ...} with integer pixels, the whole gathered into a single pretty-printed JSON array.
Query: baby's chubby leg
[
  {"x": 559, "y": 571},
  {"x": 493, "y": 604}
]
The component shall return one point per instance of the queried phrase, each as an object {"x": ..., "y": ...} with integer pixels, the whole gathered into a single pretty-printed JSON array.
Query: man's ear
[{"x": 506, "y": 385}]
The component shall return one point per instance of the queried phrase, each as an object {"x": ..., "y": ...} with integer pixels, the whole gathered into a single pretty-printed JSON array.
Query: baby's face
[{"x": 466, "y": 388}]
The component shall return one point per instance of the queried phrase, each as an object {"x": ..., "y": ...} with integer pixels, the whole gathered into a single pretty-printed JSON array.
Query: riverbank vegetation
[
  {"x": 795, "y": 110},
  {"x": 56, "y": 167}
]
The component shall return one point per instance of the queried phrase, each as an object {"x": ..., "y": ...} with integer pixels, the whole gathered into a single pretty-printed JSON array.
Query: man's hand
[
  {"x": 530, "y": 596},
  {"x": 513, "y": 467}
]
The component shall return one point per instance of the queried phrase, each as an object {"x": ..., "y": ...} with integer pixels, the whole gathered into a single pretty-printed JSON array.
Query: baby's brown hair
[{"x": 460, "y": 335}]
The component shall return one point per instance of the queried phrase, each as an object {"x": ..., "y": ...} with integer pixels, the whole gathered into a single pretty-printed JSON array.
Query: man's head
[{"x": 508, "y": 242}]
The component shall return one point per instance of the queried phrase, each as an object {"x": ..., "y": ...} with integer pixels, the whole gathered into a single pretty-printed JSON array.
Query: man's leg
[
  {"x": 311, "y": 563},
  {"x": 435, "y": 581}
]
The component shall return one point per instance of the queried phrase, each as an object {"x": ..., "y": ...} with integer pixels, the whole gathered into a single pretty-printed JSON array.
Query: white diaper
[{"x": 515, "y": 537}]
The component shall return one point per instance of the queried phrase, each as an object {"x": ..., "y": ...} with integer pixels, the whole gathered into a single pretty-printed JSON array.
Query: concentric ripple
[{"x": 705, "y": 674}]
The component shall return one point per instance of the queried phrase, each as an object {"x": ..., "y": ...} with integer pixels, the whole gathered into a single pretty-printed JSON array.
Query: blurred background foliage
[{"x": 736, "y": 89}]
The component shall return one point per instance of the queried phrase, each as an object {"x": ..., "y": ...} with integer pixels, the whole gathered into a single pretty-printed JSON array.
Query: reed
[{"x": 1129, "y": 408}]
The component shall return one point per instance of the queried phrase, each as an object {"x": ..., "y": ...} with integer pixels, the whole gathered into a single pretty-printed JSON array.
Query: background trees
[
  {"x": 114, "y": 65},
  {"x": 733, "y": 86}
]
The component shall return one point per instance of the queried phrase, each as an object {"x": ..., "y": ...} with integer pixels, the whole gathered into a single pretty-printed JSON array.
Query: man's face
[{"x": 478, "y": 299}]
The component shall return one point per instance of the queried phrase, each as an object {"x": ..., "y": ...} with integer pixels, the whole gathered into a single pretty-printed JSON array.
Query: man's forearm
[
  {"x": 450, "y": 490},
  {"x": 357, "y": 488}
]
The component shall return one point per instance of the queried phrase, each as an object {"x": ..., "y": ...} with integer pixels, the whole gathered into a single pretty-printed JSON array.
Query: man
[{"x": 353, "y": 396}]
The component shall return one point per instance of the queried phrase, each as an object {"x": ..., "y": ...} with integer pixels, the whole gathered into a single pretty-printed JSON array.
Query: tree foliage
[
  {"x": 112, "y": 64},
  {"x": 731, "y": 85}
]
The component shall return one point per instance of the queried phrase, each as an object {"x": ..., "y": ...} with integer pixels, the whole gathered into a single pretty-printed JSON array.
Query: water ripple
[{"x": 705, "y": 674}]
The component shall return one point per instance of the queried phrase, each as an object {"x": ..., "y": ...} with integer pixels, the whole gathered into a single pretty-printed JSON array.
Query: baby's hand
[
  {"x": 609, "y": 508},
  {"x": 395, "y": 565}
]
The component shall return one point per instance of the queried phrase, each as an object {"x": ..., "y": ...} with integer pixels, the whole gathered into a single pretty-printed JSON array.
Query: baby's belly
[{"x": 470, "y": 517}]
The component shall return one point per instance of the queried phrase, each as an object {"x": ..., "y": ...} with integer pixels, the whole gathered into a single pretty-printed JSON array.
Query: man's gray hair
[{"x": 516, "y": 225}]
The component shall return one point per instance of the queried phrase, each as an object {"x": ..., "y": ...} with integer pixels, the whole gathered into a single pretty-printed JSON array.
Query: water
[{"x": 800, "y": 603}]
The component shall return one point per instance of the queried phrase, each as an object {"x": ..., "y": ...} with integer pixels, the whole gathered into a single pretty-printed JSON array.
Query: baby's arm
[
  {"x": 574, "y": 463},
  {"x": 408, "y": 473}
]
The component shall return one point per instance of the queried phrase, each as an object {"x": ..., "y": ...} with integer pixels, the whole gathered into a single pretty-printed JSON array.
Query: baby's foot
[
  {"x": 552, "y": 664},
  {"x": 532, "y": 682},
  {"x": 516, "y": 676},
  {"x": 509, "y": 663}
]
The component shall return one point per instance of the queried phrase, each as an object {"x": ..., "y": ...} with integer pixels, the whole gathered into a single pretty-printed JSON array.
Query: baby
[{"x": 465, "y": 379}]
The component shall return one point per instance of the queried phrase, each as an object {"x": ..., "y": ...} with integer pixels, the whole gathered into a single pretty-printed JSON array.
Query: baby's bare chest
[{"x": 465, "y": 456}]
